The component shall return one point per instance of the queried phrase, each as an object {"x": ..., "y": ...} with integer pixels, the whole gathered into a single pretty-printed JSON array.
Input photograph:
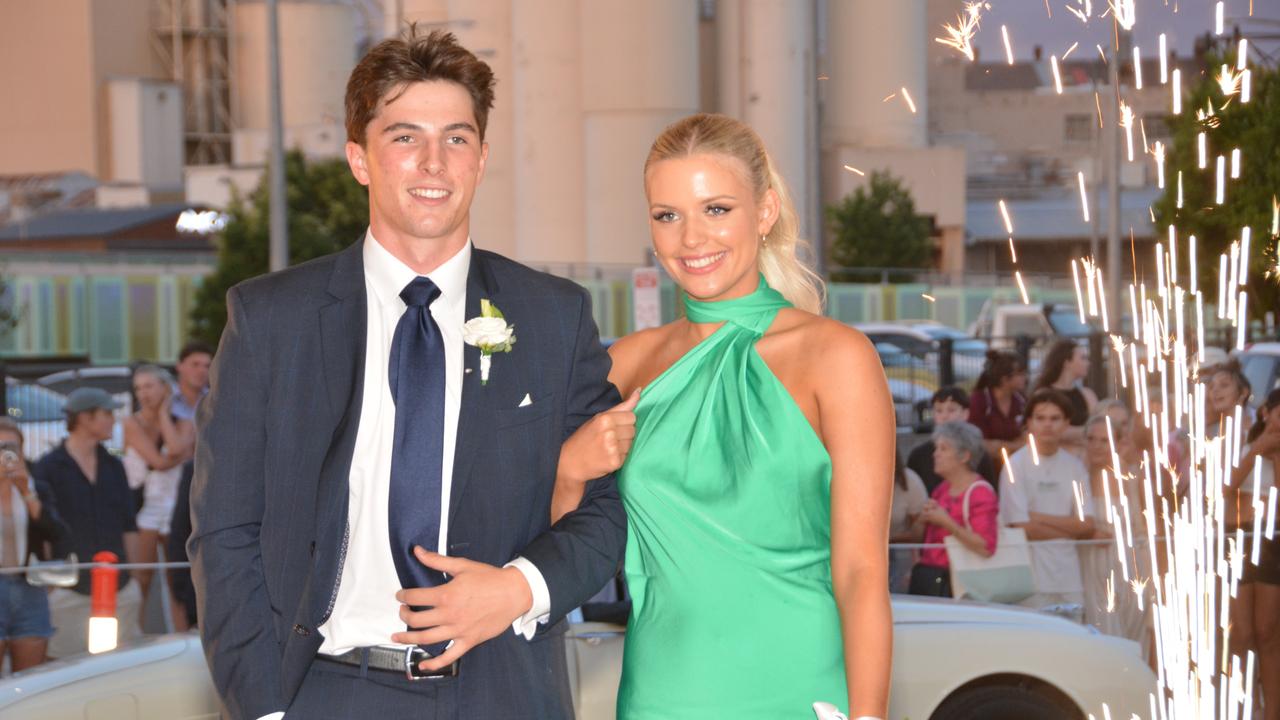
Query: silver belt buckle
[{"x": 412, "y": 656}]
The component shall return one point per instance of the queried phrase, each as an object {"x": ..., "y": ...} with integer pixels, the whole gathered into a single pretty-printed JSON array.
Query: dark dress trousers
[{"x": 276, "y": 436}]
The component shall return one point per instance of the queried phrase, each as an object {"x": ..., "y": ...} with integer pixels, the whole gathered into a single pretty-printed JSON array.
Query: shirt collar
[{"x": 388, "y": 275}]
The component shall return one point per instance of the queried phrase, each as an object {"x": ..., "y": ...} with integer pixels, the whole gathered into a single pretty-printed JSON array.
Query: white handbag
[{"x": 1005, "y": 577}]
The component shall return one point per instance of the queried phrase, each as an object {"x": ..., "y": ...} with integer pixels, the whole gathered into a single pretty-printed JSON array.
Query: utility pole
[{"x": 279, "y": 225}]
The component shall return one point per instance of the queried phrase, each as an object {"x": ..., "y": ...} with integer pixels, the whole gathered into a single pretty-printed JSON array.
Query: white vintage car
[{"x": 952, "y": 661}]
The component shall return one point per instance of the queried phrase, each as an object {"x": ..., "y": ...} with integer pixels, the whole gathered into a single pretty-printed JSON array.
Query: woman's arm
[
  {"x": 136, "y": 439},
  {"x": 601, "y": 445},
  {"x": 856, "y": 419},
  {"x": 179, "y": 436}
]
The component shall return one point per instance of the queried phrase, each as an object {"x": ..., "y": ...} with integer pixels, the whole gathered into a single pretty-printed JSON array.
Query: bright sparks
[
  {"x": 1246, "y": 80},
  {"x": 1164, "y": 60},
  {"x": 1125, "y": 12},
  {"x": 1177, "y": 91},
  {"x": 960, "y": 35},
  {"x": 1126, "y": 122},
  {"x": 1229, "y": 81},
  {"x": 1221, "y": 194},
  {"x": 1242, "y": 54},
  {"x": 855, "y": 170},
  {"x": 1057, "y": 76},
  {"x": 1235, "y": 164},
  {"x": 1022, "y": 288},
  {"x": 1084, "y": 196},
  {"x": 1004, "y": 213},
  {"x": 928, "y": 297},
  {"x": 1158, "y": 152},
  {"x": 1217, "y": 18},
  {"x": 1070, "y": 50},
  {"x": 1137, "y": 68},
  {"x": 910, "y": 103},
  {"x": 1084, "y": 12},
  {"x": 1008, "y": 47},
  {"x": 1202, "y": 151}
]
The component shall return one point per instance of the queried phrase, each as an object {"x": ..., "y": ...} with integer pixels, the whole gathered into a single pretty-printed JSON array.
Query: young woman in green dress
[{"x": 755, "y": 452}]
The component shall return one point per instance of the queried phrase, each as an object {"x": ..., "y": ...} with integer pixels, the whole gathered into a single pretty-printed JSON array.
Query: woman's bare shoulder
[
  {"x": 825, "y": 339},
  {"x": 632, "y": 353}
]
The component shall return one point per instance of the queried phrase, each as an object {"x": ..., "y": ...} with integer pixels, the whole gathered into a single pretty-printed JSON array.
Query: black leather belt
[{"x": 397, "y": 660}]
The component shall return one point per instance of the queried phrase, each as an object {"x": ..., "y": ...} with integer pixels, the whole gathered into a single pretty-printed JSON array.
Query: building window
[{"x": 1079, "y": 128}]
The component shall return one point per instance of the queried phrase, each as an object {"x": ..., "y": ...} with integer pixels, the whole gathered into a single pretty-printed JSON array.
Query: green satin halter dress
[{"x": 728, "y": 496}]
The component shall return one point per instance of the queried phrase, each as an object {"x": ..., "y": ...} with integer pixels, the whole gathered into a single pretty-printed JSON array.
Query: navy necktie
[{"x": 417, "y": 387}]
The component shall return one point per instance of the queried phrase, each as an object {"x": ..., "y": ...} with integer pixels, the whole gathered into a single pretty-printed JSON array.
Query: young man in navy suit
[{"x": 371, "y": 500}]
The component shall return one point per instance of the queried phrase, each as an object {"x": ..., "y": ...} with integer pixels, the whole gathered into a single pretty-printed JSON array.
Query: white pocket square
[{"x": 527, "y": 401}]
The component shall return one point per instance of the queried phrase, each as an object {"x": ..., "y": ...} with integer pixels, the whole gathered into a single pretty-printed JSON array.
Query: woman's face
[
  {"x": 150, "y": 390},
  {"x": 1224, "y": 393},
  {"x": 946, "y": 459},
  {"x": 1016, "y": 382},
  {"x": 1077, "y": 367},
  {"x": 1098, "y": 446},
  {"x": 706, "y": 224}
]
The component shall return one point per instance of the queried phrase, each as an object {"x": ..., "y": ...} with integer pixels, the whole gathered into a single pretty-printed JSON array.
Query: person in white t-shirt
[{"x": 1045, "y": 491}]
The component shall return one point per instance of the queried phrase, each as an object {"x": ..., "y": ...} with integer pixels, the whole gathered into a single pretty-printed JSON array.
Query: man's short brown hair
[{"x": 391, "y": 65}]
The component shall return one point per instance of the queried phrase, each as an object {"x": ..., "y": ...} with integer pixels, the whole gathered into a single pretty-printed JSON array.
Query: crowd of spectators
[
  {"x": 79, "y": 499},
  {"x": 1070, "y": 469}
]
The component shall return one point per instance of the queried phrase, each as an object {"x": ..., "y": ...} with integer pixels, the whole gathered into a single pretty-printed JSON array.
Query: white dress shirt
[{"x": 366, "y": 612}]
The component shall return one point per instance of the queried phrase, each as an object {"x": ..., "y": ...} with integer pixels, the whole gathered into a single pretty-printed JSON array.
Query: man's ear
[
  {"x": 484, "y": 157},
  {"x": 356, "y": 160}
]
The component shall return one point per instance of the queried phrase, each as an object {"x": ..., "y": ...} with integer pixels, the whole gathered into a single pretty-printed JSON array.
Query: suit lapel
[
  {"x": 480, "y": 285},
  {"x": 343, "y": 325}
]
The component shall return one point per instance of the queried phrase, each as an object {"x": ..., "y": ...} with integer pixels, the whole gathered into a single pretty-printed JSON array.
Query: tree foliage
[
  {"x": 1254, "y": 128},
  {"x": 327, "y": 211},
  {"x": 877, "y": 227}
]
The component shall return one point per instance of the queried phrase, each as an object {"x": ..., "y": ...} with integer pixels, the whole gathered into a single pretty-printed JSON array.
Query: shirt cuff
[
  {"x": 540, "y": 613},
  {"x": 273, "y": 716}
]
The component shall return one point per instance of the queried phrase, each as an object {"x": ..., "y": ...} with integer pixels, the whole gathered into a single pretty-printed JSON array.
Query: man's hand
[
  {"x": 479, "y": 602},
  {"x": 601, "y": 445}
]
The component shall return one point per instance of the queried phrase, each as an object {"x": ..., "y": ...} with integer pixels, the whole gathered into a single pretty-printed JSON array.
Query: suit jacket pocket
[{"x": 512, "y": 417}]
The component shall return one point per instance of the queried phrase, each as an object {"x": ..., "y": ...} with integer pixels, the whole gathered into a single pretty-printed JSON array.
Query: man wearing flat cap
[{"x": 93, "y": 497}]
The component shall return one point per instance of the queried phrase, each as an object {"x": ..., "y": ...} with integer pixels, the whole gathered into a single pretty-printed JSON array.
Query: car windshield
[
  {"x": 32, "y": 403},
  {"x": 962, "y": 343},
  {"x": 1261, "y": 372},
  {"x": 1066, "y": 321}
]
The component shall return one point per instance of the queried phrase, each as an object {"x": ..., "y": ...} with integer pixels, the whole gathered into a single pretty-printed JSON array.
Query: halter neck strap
[{"x": 754, "y": 311}]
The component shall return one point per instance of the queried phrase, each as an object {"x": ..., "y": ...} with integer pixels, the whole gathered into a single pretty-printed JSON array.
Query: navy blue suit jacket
[{"x": 276, "y": 436}]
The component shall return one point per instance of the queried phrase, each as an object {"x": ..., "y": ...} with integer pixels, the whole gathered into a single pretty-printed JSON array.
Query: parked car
[
  {"x": 999, "y": 323},
  {"x": 38, "y": 411},
  {"x": 115, "y": 379},
  {"x": 1260, "y": 362},
  {"x": 951, "y": 661}
]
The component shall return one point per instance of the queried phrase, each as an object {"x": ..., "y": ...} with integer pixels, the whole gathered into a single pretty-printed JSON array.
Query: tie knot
[{"x": 421, "y": 292}]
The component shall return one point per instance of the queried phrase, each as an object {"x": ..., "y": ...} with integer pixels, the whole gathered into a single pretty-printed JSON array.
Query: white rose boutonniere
[{"x": 489, "y": 332}]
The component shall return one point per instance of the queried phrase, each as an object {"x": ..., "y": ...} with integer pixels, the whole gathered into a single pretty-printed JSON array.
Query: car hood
[
  {"x": 915, "y": 610},
  {"x": 52, "y": 675}
]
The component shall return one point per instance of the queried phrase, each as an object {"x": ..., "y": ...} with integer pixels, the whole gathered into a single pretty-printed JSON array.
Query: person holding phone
[{"x": 28, "y": 521}]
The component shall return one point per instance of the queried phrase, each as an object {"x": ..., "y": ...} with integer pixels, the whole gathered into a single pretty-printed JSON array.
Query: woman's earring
[{"x": 764, "y": 241}]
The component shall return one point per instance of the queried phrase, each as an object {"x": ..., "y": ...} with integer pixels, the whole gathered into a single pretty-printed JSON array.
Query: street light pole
[{"x": 279, "y": 225}]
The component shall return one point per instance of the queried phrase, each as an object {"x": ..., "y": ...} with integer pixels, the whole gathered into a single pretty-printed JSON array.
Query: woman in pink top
[{"x": 957, "y": 450}]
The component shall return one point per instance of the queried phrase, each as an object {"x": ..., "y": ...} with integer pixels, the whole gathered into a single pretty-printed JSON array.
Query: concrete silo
[{"x": 318, "y": 43}]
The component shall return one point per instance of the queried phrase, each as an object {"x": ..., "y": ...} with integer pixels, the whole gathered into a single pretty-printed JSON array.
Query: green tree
[
  {"x": 1254, "y": 127},
  {"x": 877, "y": 227},
  {"x": 327, "y": 211}
]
